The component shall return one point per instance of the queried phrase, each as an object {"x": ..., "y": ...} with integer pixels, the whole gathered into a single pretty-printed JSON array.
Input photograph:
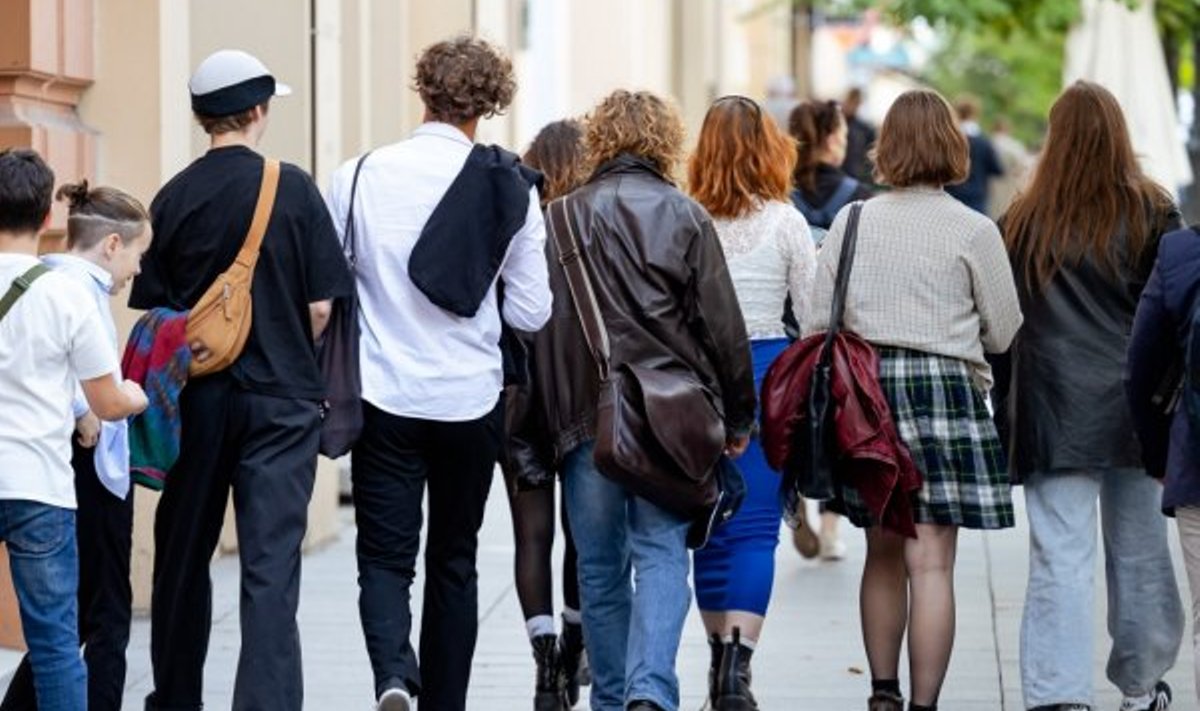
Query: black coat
[{"x": 1066, "y": 401}]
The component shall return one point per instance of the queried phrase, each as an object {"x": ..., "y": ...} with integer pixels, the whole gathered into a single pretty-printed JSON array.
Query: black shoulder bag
[
  {"x": 818, "y": 450},
  {"x": 337, "y": 354}
]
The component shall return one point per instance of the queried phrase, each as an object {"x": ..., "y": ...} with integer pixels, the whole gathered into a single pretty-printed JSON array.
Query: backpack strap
[
  {"x": 841, "y": 196},
  {"x": 19, "y": 286}
]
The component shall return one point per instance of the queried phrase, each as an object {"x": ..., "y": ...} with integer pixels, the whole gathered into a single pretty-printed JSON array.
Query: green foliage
[{"x": 1015, "y": 75}]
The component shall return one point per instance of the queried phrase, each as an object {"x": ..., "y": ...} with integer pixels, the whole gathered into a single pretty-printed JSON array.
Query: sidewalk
[{"x": 810, "y": 657}]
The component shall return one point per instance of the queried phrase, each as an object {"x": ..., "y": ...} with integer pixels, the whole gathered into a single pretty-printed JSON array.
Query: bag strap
[
  {"x": 248, "y": 255},
  {"x": 580, "y": 285},
  {"x": 349, "y": 243},
  {"x": 842, "y": 283},
  {"x": 19, "y": 286}
]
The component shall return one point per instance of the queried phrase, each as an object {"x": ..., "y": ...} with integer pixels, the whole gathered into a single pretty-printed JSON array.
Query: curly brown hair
[
  {"x": 230, "y": 123},
  {"x": 557, "y": 151},
  {"x": 742, "y": 157},
  {"x": 637, "y": 122},
  {"x": 464, "y": 79}
]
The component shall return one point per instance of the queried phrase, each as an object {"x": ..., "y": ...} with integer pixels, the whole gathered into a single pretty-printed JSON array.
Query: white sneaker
[
  {"x": 395, "y": 700},
  {"x": 832, "y": 548}
]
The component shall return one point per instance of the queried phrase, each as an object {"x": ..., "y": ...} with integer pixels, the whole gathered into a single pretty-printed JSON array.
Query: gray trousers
[
  {"x": 1145, "y": 615},
  {"x": 1188, "y": 519}
]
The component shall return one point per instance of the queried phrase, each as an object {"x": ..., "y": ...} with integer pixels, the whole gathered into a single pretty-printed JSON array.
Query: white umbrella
[{"x": 1119, "y": 48}]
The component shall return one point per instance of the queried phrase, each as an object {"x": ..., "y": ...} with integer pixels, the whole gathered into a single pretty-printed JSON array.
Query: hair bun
[{"x": 76, "y": 194}]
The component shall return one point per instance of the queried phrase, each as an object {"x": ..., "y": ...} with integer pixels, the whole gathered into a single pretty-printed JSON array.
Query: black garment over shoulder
[{"x": 200, "y": 221}]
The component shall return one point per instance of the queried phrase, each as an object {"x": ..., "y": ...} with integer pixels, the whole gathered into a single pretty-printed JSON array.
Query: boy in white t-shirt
[{"x": 51, "y": 336}]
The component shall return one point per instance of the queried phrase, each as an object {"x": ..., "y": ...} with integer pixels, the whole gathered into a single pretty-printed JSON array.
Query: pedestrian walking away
[
  {"x": 531, "y": 470},
  {"x": 1082, "y": 240},
  {"x": 254, "y": 426},
  {"x": 108, "y": 231},
  {"x": 441, "y": 225},
  {"x": 663, "y": 290},
  {"x": 741, "y": 173},
  {"x": 52, "y": 340},
  {"x": 931, "y": 289}
]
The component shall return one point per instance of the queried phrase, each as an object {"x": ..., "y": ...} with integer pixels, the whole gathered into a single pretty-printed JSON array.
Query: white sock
[
  {"x": 571, "y": 615},
  {"x": 744, "y": 641},
  {"x": 539, "y": 625},
  {"x": 1136, "y": 703}
]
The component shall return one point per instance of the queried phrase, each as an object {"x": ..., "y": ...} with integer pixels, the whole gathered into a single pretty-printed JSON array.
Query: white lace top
[{"x": 770, "y": 253}]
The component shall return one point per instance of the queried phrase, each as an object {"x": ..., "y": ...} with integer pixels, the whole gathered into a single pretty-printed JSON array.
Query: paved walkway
[{"x": 810, "y": 657}]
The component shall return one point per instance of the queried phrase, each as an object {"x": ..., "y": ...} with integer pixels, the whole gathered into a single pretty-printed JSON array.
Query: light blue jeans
[
  {"x": 45, "y": 568},
  {"x": 632, "y": 631},
  {"x": 1145, "y": 615}
]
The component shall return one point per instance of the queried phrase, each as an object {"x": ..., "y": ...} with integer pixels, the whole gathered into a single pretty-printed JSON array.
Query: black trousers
[
  {"x": 265, "y": 449},
  {"x": 393, "y": 462},
  {"x": 104, "y": 531}
]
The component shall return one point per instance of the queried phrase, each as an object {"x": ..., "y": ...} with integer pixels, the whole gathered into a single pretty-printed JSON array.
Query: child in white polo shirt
[
  {"x": 108, "y": 231},
  {"x": 51, "y": 336}
]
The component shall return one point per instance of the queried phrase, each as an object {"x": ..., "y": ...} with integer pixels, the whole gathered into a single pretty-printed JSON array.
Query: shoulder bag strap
[
  {"x": 842, "y": 283},
  {"x": 19, "y": 286},
  {"x": 580, "y": 285},
  {"x": 248, "y": 255},
  {"x": 349, "y": 244}
]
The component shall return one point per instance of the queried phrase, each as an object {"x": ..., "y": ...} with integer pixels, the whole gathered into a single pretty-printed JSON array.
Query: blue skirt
[{"x": 736, "y": 570}]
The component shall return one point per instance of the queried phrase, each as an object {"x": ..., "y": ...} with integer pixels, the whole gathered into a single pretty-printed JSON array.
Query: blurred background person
[{"x": 985, "y": 166}]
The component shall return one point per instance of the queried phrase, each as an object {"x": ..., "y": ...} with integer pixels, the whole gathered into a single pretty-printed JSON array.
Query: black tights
[{"x": 533, "y": 525}]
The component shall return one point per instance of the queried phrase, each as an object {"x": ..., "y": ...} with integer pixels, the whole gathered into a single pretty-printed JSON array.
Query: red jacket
[{"x": 872, "y": 458}]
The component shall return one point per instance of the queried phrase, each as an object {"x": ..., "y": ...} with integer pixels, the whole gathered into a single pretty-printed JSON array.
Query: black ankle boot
[
  {"x": 714, "y": 668},
  {"x": 548, "y": 694},
  {"x": 573, "y": 661},
  {"x": 733, "y": 678}
]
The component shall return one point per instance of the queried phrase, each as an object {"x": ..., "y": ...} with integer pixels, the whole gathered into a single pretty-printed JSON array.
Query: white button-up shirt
[
  {"x": 112, "y": 450},
  {"x": 419, "y": 360}
]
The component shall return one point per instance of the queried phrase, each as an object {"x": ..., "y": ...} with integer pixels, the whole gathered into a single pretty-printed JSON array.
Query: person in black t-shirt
[{"x": 255, "y": 426}]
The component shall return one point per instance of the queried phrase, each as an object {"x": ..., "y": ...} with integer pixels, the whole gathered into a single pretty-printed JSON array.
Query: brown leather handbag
[
  {"x": 220, "y": 320},
  {"x": 658, "y": 433}
]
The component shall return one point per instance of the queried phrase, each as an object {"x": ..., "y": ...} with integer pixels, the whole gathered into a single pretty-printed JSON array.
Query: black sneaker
[{"x": 1160, "y": 700}]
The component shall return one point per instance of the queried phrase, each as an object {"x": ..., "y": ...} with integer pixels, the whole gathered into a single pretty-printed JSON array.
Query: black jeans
[
  {"x": 104, "y": 532},
  {"x": 265, "y": 449},
  {"x": 393, "y": 462}
]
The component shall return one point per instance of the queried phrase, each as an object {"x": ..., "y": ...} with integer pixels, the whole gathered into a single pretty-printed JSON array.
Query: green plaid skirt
[{"x": 945, "y": 423}]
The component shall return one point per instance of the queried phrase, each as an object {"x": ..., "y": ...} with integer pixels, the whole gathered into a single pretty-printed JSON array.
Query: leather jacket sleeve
[{"x": 716, "y": 319}]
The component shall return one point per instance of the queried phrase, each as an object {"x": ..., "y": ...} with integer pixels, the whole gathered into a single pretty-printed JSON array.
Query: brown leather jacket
[{"x": 666, "y": 296}]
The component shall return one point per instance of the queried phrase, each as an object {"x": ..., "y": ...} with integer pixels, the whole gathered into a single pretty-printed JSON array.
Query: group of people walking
[{"x": 497, "y": 298}]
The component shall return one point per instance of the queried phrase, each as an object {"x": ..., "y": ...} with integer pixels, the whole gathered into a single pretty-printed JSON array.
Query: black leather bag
[
  {"x": 337, "y": 355},
  {"x": 817, "y": 450},
  {"x": 658, "y": 433}
]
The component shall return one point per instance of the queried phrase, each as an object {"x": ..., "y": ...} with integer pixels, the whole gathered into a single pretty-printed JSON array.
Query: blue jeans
[
  {"x": 632, "y": 631},
  {"x": 45, "y": 571},
  {"x": 1145, "y": 614}
]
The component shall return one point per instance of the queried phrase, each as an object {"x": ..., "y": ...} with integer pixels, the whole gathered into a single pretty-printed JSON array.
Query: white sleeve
[
  {"x": 526, "y": 278},
  {"x": 89, "y": 349},
  {"x": 336, "y": 202},
  {"x": 802, "y": 261}
]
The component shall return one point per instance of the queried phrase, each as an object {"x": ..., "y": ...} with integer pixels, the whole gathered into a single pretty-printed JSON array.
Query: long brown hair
[
  {"x": 557, "y": 151},
  {"x": 811, "y": 123},
  {"x": 742, "y": 157},
  {"x": 1086, "y": 186}
]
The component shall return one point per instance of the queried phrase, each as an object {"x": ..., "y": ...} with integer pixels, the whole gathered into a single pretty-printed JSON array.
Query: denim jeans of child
[
  {"x": 632, "y": 631},
  {"x": 1145, "y": 614},
  {"x": 45, "y": 570}
]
